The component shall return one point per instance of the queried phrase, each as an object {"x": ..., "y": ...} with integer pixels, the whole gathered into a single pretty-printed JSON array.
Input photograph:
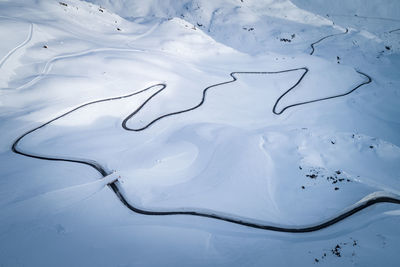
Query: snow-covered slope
[
  {"x": 253, "y": 27},
  {"x": 296, "y": 140}
]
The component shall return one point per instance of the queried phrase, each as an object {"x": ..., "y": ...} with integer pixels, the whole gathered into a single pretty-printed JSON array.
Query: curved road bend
[{"x": 323, "y": 38}]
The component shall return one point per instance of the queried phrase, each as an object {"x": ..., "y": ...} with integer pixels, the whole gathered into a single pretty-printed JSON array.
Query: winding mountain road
[
  {"x": 325, "y": 37},
  {"x": 116, "y": 187}
]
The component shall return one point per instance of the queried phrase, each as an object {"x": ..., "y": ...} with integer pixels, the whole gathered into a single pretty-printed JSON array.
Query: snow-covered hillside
[{"x": 257, "y": 117}]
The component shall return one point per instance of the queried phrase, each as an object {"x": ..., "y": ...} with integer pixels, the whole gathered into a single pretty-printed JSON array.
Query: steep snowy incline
[{"x": 252, "y": 27}]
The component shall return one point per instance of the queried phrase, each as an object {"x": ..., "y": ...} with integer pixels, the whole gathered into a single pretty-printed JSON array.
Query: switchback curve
[{"x": 234, "y": 78}]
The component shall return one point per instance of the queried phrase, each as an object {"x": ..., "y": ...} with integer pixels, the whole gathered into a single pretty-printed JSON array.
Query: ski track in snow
[
  {"x": 12, "y": 51},
  {"x": 51, "y": 61}
]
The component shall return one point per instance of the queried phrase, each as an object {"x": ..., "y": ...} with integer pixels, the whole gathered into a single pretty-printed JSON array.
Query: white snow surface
[{"x": 231, "y": 156}]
